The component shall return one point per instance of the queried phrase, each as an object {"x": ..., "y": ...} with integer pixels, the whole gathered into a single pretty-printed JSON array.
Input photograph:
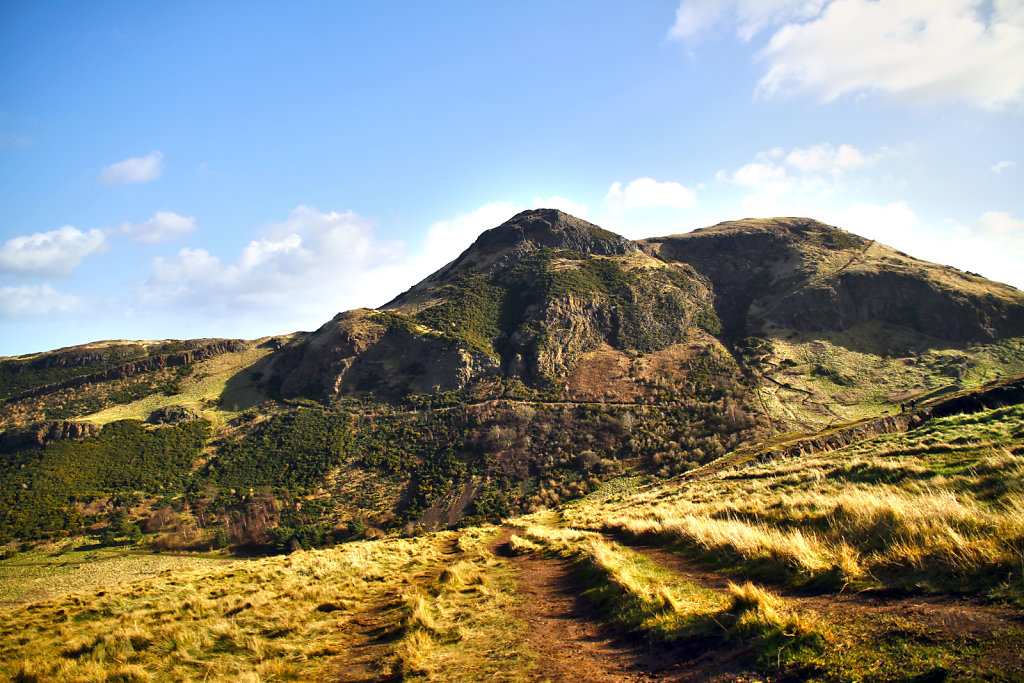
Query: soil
[
  {"x": 576, "y": 644},
  {"x": 366, "y": 659}
]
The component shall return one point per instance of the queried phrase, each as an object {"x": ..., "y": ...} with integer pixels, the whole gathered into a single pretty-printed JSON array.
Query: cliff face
[
  {"x": 364, "y": 352},
  {"x": 197, "y": 350},
  {"x": 800, "y": 274}
]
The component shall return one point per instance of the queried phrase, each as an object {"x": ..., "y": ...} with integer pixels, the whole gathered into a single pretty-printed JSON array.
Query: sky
[{"x": 175, "y": 170}]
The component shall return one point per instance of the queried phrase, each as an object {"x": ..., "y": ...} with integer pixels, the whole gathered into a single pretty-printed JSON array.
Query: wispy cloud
[
  {"x": 26, "y": 301},
  {"x": 820, "y": 169},
  {"x": 164, "y": 226},
  {"x": 54, "y": 253},
  {"x": 14, "y": 140},
  {"x": 1002, "y": 166},
  {"x": 304, "y": 267},
  {"x": 133, "y": 170}
]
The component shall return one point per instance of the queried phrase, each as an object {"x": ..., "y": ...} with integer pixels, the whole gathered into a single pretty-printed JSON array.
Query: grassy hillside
[{"x": 898, "y": 557}]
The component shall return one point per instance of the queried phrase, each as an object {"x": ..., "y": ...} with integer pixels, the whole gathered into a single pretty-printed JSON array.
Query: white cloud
[
  {"x": 164, "y": 226},
  {"x": 446, "y": 239},
  {"x": 992, "y": 244},
  {"x": 997, "y": 224},
  {"x": 562, "y": 204},
  {"x": 916, "y": 51},
  {"x": 1002, "y": 166},
  {"x": 818, "y": 171},
  {"x": 35, "y": 300},
  {"x": 695, "y": 17},
  {"x": 133, "y": 170},
  {"x": 649, "y": 193},
  {"x": 57, "y": 252},
  {"x": 307, "y": 267},
  {"x": 921, "y": 52},
  {"x": 887, "y": 223},
  {"x": 825, "y": 158}
]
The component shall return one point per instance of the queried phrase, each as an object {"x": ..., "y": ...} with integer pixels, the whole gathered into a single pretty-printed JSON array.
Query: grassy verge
[
  {"x": 45, "y": 574},
  {"x": 280, "y": 618}
]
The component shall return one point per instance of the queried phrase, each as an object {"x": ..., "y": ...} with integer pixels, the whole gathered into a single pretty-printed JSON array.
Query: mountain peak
[
  {"x": 527, "y": 231},
  {"x": 552, "y": 229}
]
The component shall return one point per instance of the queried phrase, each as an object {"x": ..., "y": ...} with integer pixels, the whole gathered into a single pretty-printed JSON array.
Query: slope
[{"x": 896, "y": 557}]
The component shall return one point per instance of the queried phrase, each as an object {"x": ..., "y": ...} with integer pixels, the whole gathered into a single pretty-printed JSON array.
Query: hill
[
  {"x": 895, "y": 557},
  {"x": 549, "y": 357}
]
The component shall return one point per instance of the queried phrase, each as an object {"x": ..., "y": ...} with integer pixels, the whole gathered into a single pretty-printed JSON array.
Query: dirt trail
[
  {"x": 576, "y": 644},
  {"x": 373, "y": 631}
]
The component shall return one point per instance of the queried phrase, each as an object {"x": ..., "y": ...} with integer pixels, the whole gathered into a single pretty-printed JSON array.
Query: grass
[
  {"x": 936, "y": 512},
  {"x": 833, "y": 377},
  {"x": 246, "y": 621},
  {"x": 206, "y": 390},
  {"x": 297, "y": 617},
  {"x": 463, "y": 625},
  {"x": 71, "y": 568},
  {"x": 941, "y": 506}
]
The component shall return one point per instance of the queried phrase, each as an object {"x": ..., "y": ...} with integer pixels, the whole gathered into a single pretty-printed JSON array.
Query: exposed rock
[
  {"x": 358, "y": 353},
  {"x": 549, "y": 288},
  {"x": 202, "y": 349},
  {"x": 525, "y": 232},
  {"x": 44, "y": 433},
  {"x": 172, "y": 415}
]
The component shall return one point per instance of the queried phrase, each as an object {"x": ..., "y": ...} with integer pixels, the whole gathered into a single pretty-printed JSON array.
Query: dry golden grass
[
  {"x": 464, "y": 625},
  {"x": 283, "y": 617},
  {"x": 206, "y": 387},
  {"x": 940, "y": 504}
]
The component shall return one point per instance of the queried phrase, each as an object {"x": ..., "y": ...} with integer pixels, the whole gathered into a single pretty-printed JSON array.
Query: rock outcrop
[
  {"x": 172, "y": 415},
  {"x": 200, "y": 350},
  {"x": 364, "y": 352},
  {"x": 44, "y": 433},
  {"x": 525, "y": 301},
  {"x": 530, "y": 297}
]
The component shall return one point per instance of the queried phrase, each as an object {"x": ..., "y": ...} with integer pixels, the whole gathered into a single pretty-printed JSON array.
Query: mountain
[
  {"x": 549, "y": 357},
  {"x": 526, "y": 301}
]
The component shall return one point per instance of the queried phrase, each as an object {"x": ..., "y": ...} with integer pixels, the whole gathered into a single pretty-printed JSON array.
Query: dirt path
[
  {"x": 372, "y": 632},
  {"x": 576, "y": 644}
]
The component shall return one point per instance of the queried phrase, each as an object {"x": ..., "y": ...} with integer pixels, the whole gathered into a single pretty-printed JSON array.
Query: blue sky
[{"x": 190, "y": 169}]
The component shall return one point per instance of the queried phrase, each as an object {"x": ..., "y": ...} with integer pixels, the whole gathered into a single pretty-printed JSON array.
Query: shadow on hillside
[{"x": 242, "y": 391}]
